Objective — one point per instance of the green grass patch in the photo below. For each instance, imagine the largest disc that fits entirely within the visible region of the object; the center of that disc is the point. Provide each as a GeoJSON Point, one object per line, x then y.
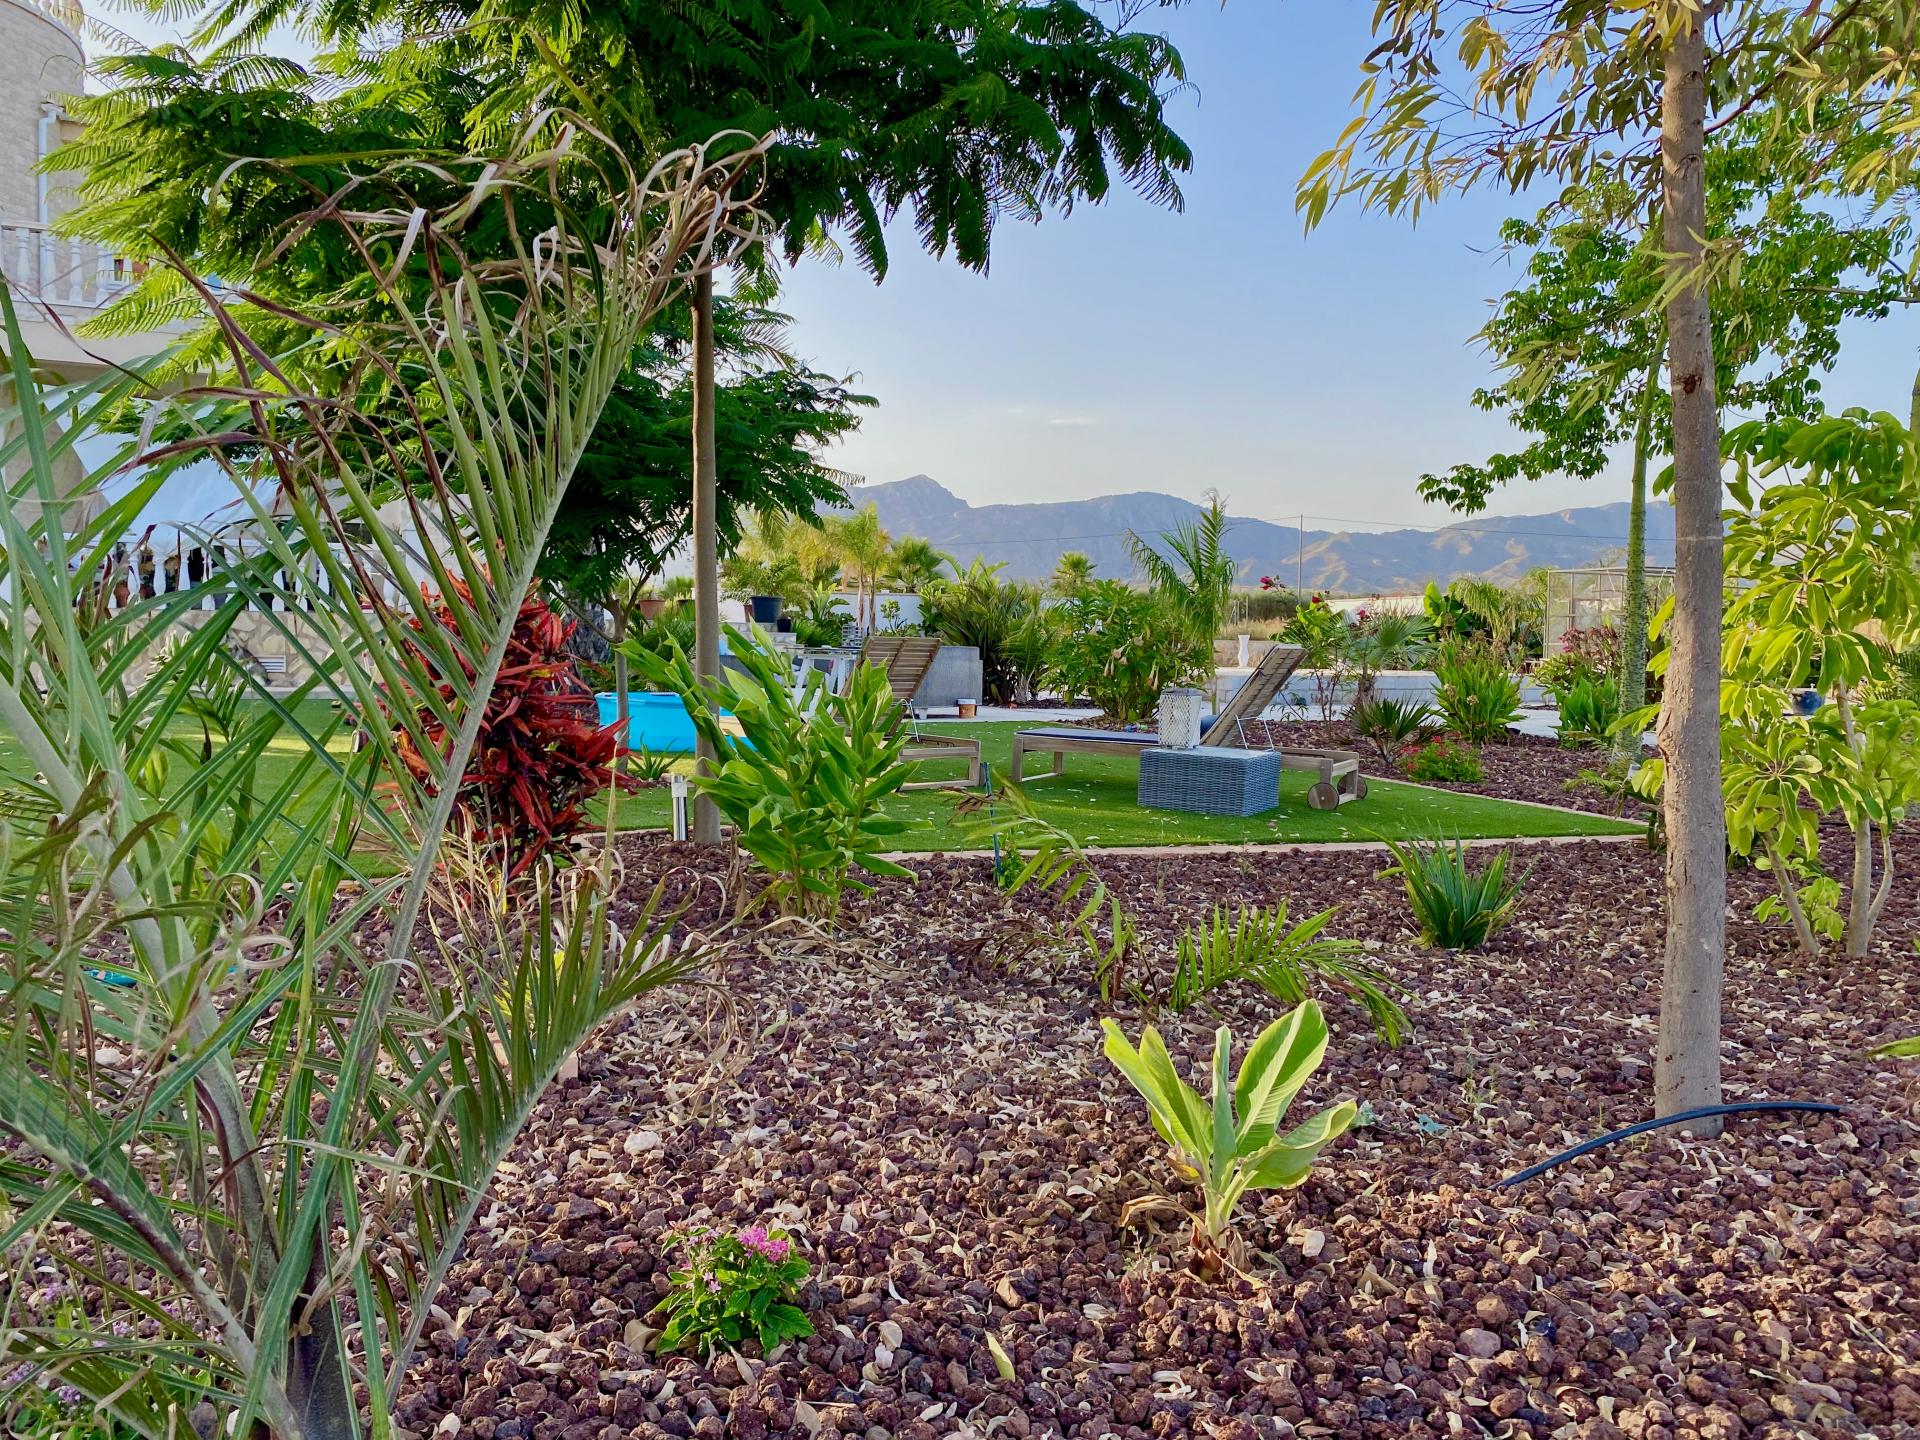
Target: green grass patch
{"type": "Point", "coordinates": [1094, 801]}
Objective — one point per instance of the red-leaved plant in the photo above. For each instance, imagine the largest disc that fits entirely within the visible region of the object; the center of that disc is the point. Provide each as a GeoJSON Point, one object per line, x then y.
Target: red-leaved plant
{"type": "Point", "coordinates": [542, 754]}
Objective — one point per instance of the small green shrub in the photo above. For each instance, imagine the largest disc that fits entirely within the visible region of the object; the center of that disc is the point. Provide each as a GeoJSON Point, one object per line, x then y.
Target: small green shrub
{"type": "Point", "coordinates": [1256, 944]}
{"type": "Point", "coordinates": [1441, 761]}
{"type": "Point", "coordinates": [1561, 671]}
{"type": "Point", "coordinates": [804, 782]}
{"type": "Point", "coordinates": [1588, 709]}
{"type": "Point", "coordinates": [1456, 906]}
{"type": "Point", "coordinates": [1477, 695]}
{"type": "Point", "coordinates": [1120, 647]}
{"type": "Point", "coordinates": [821, 619]}
{"type": "Point", "coordinates": [35, 1413]}
{"type": "Point", "coordinates": [1233, 1145]}
{"type": "Point", "coordinates": [976, 607]}
{"type": "Point", "coordinates": [1040, 854]}
{"type": "Point", "coordinates": [1391, 724]}
{"type": "Point", "coordinates": [649, 767]}
{"type": "Point", "coordinates": [733, 1287]}
{"type": "Point", "coordinates": [672, 627]}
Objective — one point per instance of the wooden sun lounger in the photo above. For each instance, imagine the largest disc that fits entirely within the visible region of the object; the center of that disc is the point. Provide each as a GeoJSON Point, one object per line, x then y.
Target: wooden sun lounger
{"type": "Point", "coordinates": [1339, 770]}
{"type": "Point", "coordinates": [1259, 690]}
{"type": "Point", "coordinates": [906, 659]}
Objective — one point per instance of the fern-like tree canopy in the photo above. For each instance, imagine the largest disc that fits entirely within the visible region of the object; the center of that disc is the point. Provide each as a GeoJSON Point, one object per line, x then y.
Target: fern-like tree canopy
{"type": "Point", "coordinates": [959, 112]}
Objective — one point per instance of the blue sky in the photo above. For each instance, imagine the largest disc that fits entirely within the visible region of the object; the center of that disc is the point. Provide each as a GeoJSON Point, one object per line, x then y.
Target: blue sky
{"type": "Point", "coordinates": [1125, 348]}
{"type": "Point", "coordinates": [1128, 348]}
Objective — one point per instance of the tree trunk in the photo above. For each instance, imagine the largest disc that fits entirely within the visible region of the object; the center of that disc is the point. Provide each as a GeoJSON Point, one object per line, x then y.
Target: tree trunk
{"type": "Point", "coordinates": [1687, 1065]}
{"type": "Point", "coordinates": [1860, 896]}
{"type": "Point", "coordinates": [1633, 624]}
{"type": "Point", "coordinates": [1789, 893]}
{"type": "Point", "coordinates": [706, 543]}
{"type": "Point", "coordinates": [622, 701]}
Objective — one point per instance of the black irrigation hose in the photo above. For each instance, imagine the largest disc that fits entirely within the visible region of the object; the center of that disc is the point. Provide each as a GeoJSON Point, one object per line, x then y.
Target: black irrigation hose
{"type": "Point", "coordinates": [1587, 1147]}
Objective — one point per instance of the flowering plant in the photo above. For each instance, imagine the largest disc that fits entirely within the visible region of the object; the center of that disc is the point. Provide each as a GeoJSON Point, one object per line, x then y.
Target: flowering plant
{"type": "Point", "coordinates": [1442, 758]}
{"type": "Point", "coordinates": [734, 1284]}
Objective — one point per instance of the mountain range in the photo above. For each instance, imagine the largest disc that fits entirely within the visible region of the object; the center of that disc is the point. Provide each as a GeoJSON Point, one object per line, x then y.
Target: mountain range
{"type": "Point", "coordinates": [1028, 539]}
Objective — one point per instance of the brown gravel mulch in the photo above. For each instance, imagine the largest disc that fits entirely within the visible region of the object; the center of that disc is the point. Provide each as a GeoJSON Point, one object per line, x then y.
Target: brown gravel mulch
{"type": "Point", "coordinates": [924, 1105]}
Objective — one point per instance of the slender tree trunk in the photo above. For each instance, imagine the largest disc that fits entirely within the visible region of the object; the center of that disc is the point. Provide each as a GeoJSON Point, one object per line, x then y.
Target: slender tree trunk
{"type": "Point", "coordinates": [1687, 1065]}
{"type": "Point", "coordinates": [1860, 898]}
{"type": "Point", "coordinates": [622, 702]}
{"type": "Point", "coordinates": [1790, 897]}
{"type": "Point", "coordinates": [1633, 624]}
{"type": "Point", "coordinates": [706, 543]}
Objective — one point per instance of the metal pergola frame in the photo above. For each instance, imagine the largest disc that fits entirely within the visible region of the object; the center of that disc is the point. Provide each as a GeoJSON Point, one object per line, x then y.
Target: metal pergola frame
{"type": "Point", "coordinates": [1590, 596]}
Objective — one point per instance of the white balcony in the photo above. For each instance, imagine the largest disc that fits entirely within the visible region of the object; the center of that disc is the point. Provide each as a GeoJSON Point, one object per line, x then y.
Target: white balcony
{"type": "Point", "coordinates": [57, 271]}
{"type": "Point", "coordinates": [67, 14]}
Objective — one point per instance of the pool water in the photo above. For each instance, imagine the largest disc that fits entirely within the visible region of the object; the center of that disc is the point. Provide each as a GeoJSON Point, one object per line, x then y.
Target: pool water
{"type": "Point", "coordinates": [656, 722]}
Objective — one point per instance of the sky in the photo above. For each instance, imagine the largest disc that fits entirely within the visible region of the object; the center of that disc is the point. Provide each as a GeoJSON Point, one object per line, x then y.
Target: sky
{"type": "Point", "coordinates": [1129, 348]}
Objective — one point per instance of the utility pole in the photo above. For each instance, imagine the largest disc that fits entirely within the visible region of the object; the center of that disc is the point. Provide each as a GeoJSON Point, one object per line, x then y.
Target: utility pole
{"type": "Point", "coordinates": [1300, 559]}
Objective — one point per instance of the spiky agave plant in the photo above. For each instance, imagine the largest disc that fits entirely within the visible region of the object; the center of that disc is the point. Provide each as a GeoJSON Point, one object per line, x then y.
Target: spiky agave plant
{"type": "Point", "coordinates": [252, 1108]}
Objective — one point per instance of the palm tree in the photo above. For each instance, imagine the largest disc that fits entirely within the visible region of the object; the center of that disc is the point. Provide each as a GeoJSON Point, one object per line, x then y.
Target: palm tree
{"type": "Point", "coordinates": [1071, 571]}
{"type": "Point", "coordinates": [303, 1053]}
{"type": "Point", "coordinates": [1195, 572]}
{"type": "Point", "coordinates": [915, 562]}
{"type": "Point", "coordinates": [864, 548]}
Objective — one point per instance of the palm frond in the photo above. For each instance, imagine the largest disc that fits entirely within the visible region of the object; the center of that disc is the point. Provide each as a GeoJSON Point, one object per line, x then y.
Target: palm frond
{"type": "Point", "coordinates": [201, 925]}
{"type": "Point", "coordinates": [1256, 944]}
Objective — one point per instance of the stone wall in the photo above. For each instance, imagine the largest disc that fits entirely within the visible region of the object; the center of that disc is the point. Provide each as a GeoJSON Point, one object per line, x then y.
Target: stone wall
{"type": "Point", "coordinates": [40, 60]}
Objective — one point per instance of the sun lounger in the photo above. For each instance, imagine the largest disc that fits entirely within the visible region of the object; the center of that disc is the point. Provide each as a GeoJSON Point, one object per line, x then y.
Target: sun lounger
{"type": "Point", "coordinates": [906, 660]}
{"type": "Point", "coordinates": [1339, 770]}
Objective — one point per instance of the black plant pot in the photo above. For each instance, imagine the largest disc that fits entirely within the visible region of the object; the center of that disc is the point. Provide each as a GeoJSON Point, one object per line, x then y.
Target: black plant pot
{"type": "Point", "coordinates": [765, 609]}
{"type": "Point", "coordinates": [784, 625]}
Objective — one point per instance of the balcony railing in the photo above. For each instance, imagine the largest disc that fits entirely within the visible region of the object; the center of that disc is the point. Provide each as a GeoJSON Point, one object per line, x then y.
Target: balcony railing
{"type": "Point", "coordinates": [59, 271]}
{"type": "Point", "coordinates": [67, 14]}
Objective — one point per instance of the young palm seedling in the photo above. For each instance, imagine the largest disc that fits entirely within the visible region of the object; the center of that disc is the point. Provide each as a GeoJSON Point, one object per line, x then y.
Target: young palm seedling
{"type": "Point", "coordinates": [1234, 1144]}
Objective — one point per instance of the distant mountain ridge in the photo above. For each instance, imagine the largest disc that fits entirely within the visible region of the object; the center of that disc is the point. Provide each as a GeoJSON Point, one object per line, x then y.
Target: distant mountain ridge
{"type": "Point", "coordinates": [1028, 539]}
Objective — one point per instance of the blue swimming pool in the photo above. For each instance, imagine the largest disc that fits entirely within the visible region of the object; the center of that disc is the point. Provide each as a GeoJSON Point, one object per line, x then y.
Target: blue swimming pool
{"type": "Point", "coordinates": [656, 722]}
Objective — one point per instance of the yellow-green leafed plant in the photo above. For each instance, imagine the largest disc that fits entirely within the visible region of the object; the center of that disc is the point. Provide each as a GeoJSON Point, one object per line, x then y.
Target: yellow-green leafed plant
{"type": "Point", "coordinates": [1234, 1144]}
{"type": "Point", "coordinates": [805, 780]}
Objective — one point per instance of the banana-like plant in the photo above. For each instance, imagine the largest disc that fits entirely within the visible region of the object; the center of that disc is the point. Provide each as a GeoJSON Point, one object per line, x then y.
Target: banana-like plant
{"type": "Point", "coordinates": [1234, 1144]}
{"type": "Point", "coordinates": [256, 1089]}
{"type": "Point", "coordinates": [802, 775]}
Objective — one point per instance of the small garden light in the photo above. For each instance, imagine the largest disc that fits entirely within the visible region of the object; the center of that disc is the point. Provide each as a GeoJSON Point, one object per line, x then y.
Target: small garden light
{"type": "Point", "coordinates": [679, 785]}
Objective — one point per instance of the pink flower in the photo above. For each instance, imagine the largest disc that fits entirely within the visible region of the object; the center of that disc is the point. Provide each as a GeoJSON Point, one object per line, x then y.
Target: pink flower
{"type": "Point", "coordinates": [769, 1247]}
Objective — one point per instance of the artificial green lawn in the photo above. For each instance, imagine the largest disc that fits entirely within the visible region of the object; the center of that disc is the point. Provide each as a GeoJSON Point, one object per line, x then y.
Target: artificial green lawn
{"type": "Point", "coordinates": [1094, 802]}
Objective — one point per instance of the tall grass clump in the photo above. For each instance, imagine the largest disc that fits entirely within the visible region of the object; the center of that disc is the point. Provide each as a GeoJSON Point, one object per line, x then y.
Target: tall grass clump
{"type": "Point", "coordinates": [1456, 905]}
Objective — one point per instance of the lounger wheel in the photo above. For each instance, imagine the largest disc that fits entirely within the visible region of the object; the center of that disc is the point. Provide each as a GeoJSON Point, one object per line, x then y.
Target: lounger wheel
{"type": "Point", "coordinates": [1359, 787]}
{"type": "Point", "coordinates": [1323, 796]}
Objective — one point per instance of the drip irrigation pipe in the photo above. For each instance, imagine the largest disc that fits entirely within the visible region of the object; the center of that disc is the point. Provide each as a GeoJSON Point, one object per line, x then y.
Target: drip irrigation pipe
{"type": "Point", "coordinates": [1587, 1147]}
